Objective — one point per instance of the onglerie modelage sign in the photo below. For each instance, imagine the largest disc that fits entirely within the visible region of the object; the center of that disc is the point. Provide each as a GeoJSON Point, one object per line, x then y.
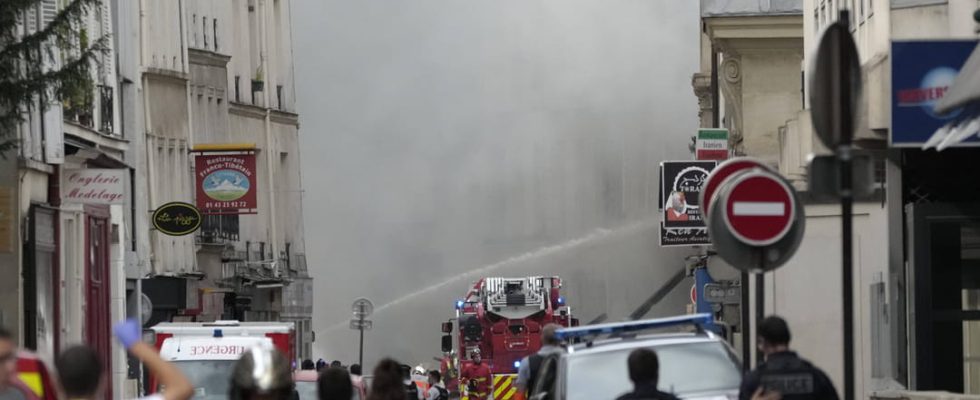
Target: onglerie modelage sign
{"type": "Point", "coordinates": [226, 183]}
{"type": "Point", "coordinates": [94, 186]}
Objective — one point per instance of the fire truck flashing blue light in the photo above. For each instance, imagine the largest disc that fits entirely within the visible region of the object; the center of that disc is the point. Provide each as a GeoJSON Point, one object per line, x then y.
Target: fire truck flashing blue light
{"type": "Point", "coordinates": [517, 364]}
{"type": "Point", "coordinates": [459, 304]}
{"type": "Point", "coordinates": [633, 326]}
{"type": "Point", "coordinates": [561, 300]}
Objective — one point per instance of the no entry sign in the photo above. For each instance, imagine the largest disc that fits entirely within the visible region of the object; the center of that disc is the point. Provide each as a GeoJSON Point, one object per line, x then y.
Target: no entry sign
{"type": "Point", "coordinates": [759, 208]}
{"type": "Point", "coordinates": [719, 175]}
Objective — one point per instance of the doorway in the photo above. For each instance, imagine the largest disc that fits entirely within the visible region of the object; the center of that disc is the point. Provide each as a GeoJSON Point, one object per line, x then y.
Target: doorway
{"type": "Point", "coordinates": [943, 249]}
{"type": "Point", "coordinates": [97, 312]}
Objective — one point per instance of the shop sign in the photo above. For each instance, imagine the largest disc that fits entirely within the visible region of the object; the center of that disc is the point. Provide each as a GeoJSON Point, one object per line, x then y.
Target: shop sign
{"type": "Point", "coordinates": [712, 144]}
{"type": "Point", "coordinates": [226, 183]}
{"type": "Point", "coordinates": [922, 72]}
{"type": "Point", "coordinates": [177, 218]}
{"type": "Point", "coordinates": [680, 187]}
{"type": "Point", "coordinates": [93, 186]}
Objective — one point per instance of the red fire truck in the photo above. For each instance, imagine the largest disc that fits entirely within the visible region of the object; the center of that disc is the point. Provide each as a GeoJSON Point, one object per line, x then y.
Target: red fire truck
{"type": "Point", "coordinates": [502, 317]}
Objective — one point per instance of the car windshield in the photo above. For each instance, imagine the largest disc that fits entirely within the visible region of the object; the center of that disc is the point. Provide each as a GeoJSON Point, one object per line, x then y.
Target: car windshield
{"type": "Point", "coordinates": [209, 377]}
{"type": "Point", "coordinates": [685, 368]}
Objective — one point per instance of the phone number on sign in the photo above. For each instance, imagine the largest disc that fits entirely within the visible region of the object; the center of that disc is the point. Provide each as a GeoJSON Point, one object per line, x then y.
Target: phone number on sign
{"type": "Point", "coordinates": [210, 205]}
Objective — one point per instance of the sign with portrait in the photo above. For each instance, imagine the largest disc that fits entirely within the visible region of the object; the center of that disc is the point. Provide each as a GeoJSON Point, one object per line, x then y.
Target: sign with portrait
{"type": "Point", "coordinates": [226, 183]}
{"type": "Point", "coordinates": [680, 188]}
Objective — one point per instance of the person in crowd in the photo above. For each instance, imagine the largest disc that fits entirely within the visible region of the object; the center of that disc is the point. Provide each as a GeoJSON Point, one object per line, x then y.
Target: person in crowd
{"type": "Point", "coordinates": [644, 370]}
{"type": "Point", "coordinates": [334, 384]}
{"type": "Point", "coordinates": [262, 373]}
{"type": "Point", "coordinates": [528, 370]}
{"type": "Point", "coordinates": [80, 369]}
{"type": "Point", "coordinates": [436, 390]}
{"type": "Point", "coordinates": [307, 365]}
{"type": "Point", "coordinates": [11, 387]}
{"type": "Point", "coordinates": [411, 389]}
{"type": "Point", "coordinates": [320, 365]}
{"type": "Point", "coordinates": [355, 375]}
{"type": "Point", "coordinates": [784, 373]}
{"type": "Point", "coordinates": [477, 377]}
{"type": "Point", "coordinates": [387, 383]}
{"type": "Point", "coordinates": [336, 364]}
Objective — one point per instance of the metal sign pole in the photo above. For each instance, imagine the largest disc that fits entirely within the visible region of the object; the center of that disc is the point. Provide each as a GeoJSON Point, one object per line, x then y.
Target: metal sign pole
{"type": "Point", "coordinates": [360, 356]}
{"type": "Point", "coordinates": [847, 209]}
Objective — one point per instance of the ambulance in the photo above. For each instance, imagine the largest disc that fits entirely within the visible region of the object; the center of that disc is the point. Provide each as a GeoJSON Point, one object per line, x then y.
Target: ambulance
{"type": "Point", "coordinates": [207, 351]}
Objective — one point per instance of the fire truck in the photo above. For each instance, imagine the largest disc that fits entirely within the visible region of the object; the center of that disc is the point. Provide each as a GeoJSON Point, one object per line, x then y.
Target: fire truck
{"type": "Point", "coordinates": [502, 317]}
{"type": "Point", "coordinates": [207, 351]}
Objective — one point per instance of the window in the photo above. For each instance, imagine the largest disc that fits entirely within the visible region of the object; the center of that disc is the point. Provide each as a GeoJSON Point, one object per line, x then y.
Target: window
{"type": "Point", "coordinates": [194, 36]}
{"type": "Point", "coordinates": [204, 30]}
{"type": "Point", "coordinates": [214, 27]}
{"type": "Point", "coordinates": [279, 95]}
{"type": "Point", "coordinates": [238, 97]}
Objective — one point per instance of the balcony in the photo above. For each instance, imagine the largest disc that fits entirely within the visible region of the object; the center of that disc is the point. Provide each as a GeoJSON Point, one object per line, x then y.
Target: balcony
{"type": "Point", "coordinates": [218, 229]}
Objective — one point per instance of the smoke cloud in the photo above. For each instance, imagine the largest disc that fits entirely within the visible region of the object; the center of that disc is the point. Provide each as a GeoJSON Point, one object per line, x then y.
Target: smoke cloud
{"type": "Point", "coordinates": [446, 140]}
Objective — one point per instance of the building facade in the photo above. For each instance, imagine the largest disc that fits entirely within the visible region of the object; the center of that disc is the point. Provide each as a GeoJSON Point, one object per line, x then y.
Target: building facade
{"type": "Point", "coordinates": [77, 195]}
{"type": "Point", "coordinates": [913, 324]}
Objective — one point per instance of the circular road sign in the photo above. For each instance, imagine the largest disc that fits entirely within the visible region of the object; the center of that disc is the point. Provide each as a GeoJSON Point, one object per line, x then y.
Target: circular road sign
{"type": "Point", "coordinates": [759, 208]}
{"type": "Point", "coordinates": [741, 255]}
{"type": "Point", "coordinates": [835, 85]}
{"type": "Point", "coordinates": [362, 307]}
{"type": "Point", "coordinates": [719, 174]}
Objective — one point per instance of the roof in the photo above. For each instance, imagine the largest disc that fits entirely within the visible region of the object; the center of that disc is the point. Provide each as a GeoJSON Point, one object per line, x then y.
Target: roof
{"type": "Point", "coordinates": [641, 341]}
{"type": "Point", "coordinates": [735, 8]}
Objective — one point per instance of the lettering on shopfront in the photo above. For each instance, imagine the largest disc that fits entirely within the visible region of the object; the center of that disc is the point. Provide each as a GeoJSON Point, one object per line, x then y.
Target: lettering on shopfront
{"type": "Point", "coordinates": [94, 186]}
{"type": "Point", "coordinates": [216, 350]}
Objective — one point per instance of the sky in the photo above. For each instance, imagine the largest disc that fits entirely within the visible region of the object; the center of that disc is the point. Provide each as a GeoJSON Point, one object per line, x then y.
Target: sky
{"type": "Point", "coordinates": [448, 140]}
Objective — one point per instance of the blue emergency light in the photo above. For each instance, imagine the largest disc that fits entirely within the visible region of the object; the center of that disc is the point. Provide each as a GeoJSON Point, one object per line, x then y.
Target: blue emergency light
{"type": "Point", "coordinates": [218, 333]}
{"type": "Point", "coordinates": [517, 364]}
{"type": "Point", "coordinates": [633, 326]}
{"type": "Point", "coordinates": [459, 304]}
{"type": "Point", "coordinates": [561, 300]}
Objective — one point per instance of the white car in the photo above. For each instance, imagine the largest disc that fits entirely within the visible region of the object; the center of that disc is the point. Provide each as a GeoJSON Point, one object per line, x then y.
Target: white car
{"type": "Point", "coordinates": [693, 365]}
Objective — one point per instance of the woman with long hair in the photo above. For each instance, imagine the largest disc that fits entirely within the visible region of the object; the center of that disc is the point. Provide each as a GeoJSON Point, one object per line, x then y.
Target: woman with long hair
{"type": "Point", "coordinates": [387, 382]}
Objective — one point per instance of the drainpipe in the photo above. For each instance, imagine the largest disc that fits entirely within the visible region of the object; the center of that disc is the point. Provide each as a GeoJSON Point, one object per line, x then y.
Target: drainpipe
{"type": "Point", "coordinates": [269, 151]}
{"type": "Point", "coordinates": [54, 199]}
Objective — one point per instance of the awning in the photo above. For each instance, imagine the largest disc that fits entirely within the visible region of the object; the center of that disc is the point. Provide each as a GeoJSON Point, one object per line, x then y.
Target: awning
{"type": "Point", "coordinates": [966, 86]}
{"type": "Point", "coordinates": [92, 154]}
{"type": "Point", "coordinates": [963, 93]}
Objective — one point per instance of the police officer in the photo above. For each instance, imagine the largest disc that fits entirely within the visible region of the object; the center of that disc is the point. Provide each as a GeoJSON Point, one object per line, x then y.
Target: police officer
{"type": "Point", "coordinates": [784, 373]}
{"type": "Point", "coordinates": [262, 373]}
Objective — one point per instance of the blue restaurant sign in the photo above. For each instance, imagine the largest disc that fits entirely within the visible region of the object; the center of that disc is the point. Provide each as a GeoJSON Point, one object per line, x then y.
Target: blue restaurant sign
{"type": "Point", "coordinates": [922, 72]}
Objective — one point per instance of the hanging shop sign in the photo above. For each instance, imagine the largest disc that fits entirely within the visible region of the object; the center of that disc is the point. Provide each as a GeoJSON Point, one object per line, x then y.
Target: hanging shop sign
{"type": "Point", "coordinates": [680, 187]}
{"type": "Point", "coordinates": [712, 144]}
{"type": "Point", "coordinates": [226, 183]}
{"type": "Point", "coordinates": [93, 186]}
{"type": "Point", "coordinates": [176, 218]}
{"type": "Point", "coordinates": [922, 72]}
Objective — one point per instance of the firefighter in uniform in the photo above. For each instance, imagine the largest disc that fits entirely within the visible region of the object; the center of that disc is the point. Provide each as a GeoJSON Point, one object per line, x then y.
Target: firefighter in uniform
{"type": "Point", "coordinates": [477, 377]}
{"type": "Point", "coordinates": [784, 373]}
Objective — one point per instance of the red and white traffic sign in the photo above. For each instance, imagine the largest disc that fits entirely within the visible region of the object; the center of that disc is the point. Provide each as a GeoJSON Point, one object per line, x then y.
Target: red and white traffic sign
{"type": "Point", "coordinates": [718, 176]}
{"type": "Point", "coordinates": [760, 207]}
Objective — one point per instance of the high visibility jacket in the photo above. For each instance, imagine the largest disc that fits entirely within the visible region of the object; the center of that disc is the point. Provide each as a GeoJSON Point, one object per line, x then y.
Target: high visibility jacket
{"type": "Point", "coordinates": [35, 377]}
{"type": "Point", "coordinates": [478, 380]}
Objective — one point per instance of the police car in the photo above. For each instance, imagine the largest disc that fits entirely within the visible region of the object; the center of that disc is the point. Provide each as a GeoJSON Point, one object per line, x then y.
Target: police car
{"type": "Point", "coordinates": [693, 365]}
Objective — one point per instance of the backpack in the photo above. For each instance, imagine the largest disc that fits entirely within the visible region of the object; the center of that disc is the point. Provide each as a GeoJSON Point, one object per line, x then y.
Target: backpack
{"type": "Point", "coordinates": [546, 374]}
{"type": "Point", "coordinates": [533, 365]}
{"type": "Point", "coordinates": [443, 393]}
{"type": "Point", "coordinates": [412, 391]}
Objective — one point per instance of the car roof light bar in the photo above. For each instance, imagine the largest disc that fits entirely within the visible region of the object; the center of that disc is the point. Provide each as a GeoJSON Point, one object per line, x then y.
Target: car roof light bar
{"type": "Point", "coordinates": [632, 326]}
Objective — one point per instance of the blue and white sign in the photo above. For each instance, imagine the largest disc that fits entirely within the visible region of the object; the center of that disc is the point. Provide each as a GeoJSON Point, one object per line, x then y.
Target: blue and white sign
{"type": "Point", "coordinates": [922, 72]}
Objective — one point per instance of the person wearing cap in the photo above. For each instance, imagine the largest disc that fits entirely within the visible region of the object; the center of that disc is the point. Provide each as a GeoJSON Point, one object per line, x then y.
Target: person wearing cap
{"type": "Point", "coordinates": [477, 377]}
{"type": "Point", "coordinates": [262, 373]}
